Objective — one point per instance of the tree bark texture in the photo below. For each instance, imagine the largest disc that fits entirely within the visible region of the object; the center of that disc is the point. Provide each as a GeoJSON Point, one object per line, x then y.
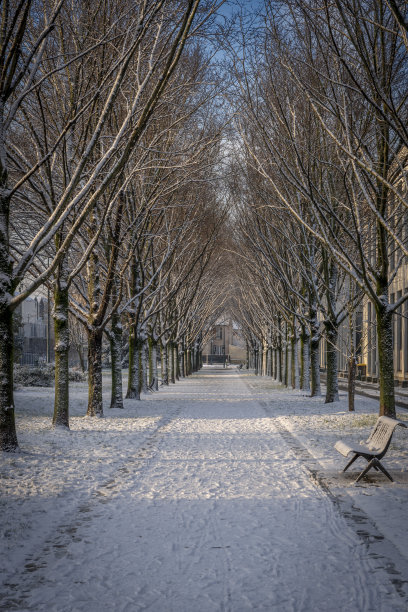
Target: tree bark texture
{"type": "Point", "coordinates": [8, 434]}
{"type": "Point", "coordinates": [295, 365]}
{"type": "Point", "coordinates": [155, 372]}
{"type": "Point", "coordinates": [351, 383]}
{"type": "Point", "coordinates": [116, 362]}
{"type": "Point", "coordinates": [133, 388]}
{"type": "Point", "coordinates": [95, 406]}
{"type": "Point", "coordinates": [165, 363]}
{"type": "Point", "coordinates": [144, 363]}
{"type": "Point", "coordinates": [61, 333]}
{"type": "Point", "coordinates": [386, 361]}
{"type": "Point", "coordinates": [332, 382]}
{"type": "Point", "coordinates": [305, 360]}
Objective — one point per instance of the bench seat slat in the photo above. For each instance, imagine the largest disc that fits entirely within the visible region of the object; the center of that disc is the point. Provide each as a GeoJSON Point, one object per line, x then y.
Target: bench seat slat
{"type": "Point", "coordinates": [347, 446]}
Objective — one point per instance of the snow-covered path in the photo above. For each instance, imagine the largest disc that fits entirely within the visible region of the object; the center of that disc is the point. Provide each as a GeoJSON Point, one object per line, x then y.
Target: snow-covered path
{"type": "Point", "coordinates": [210, 510]}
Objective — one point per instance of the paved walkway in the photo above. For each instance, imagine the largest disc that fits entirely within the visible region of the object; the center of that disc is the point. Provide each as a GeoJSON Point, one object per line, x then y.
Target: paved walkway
{"type": "Point", "coordinates": [212, 512]}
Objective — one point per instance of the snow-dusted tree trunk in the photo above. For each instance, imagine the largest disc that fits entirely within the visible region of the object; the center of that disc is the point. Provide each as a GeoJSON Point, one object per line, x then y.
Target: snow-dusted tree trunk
{"type": "Point", "coordinates": [155, 373]}
{"type": "Point", "coordinates": [315, 365]}
{"type": "Point", "coordinates": [286, 362]}
{"type": "Point", "coordinates": [385, 359]}
{"type": "Point", "coordinates": [61, 334]}
{"type": "Point", "coordinates": [332, 384]}
{"type": "Point", "coordinates": [177, 361]}
{"type": "Point", "coordinates": [279, 376]}
{"type": "Point", "coordinates": [95, 405]}
{"type": "Point", "coordinates": [294, 354]}
{"type": "Point", "coordinates": [115, 338]}
{"type": "Point", "coordinates": [314, 350]}
{"type": "Point", "coordinates": [144, 361]}
{"type": "Point", "coordinates": [8, 435]}
{"type": "Point", "coordinates": [133, 388]}
{"type": "Point", "coordinates": [165, 362]}
{"type": "Point", "coordinates": [305, 359]}
{"type": "Point", "coordinates": [172, 363]}
{"type": "Point", "coordinates": [94, 331]}
{"type": "Point", "coordinates": [351, 365]}
{"type": "Point", "coordinates": [182, 360]}
{"type": "Point", "coordinates": [116, 362]}
{"type": "Point", "coordinates": [351, 382]}
{"type": "Point", "coordinates": [188, 362]}
{"type": "Point", "coordinates": [197, 358]}
{"type": "Point", "coordinates": [331, 327]}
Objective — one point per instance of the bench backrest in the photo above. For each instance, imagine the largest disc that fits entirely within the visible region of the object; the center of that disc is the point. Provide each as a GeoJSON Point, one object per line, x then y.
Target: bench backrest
{"type": "Point", "coordinates": [381, 435]}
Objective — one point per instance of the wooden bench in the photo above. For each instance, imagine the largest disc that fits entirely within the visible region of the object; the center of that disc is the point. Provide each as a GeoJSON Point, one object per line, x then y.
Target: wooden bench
{"type": "Point", "coordinates": [373, 449]}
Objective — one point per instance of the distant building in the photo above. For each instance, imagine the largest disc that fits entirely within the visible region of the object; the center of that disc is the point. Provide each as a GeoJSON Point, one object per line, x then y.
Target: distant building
{"type": "Point", "coordinates": [225, 343]}
{"type": "Point", "coordinates": [34, 333]}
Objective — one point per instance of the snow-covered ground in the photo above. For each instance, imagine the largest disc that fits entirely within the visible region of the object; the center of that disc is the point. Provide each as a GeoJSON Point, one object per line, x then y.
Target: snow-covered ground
{"type": "Point", "coordinates": [222, 492]}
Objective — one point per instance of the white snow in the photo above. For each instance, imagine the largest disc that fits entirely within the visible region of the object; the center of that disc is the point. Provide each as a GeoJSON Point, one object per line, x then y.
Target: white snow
{"type": "Point", "coordinates": [220, 493]}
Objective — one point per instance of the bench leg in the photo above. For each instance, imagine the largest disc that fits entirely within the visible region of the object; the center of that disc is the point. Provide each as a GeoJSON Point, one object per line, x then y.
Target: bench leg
{"type": "Point", "coordinates": [352, 460]}
{"type": "Point", "coordinates": [377, 465]}
{"type": "Point", "coordinates": [366, 469]}
{"type": "Point", "coordinates": [382, 468]}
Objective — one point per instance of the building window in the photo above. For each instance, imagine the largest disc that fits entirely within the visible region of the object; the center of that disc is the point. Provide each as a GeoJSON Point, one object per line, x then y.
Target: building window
{"type": "Point", "coordinates": [218, 332]}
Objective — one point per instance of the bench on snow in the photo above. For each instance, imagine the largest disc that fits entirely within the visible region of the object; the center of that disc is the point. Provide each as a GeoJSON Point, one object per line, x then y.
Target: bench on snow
{"type": "Point", "coordinates": [373, 449]}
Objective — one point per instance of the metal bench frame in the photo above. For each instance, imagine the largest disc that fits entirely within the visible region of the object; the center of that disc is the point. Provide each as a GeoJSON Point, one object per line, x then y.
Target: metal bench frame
{"type": "Point", "coordinates": [373, 449]}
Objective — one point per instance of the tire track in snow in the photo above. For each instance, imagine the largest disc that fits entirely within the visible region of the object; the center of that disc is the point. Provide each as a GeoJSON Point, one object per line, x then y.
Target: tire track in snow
{"type": "Point", "coordinates": [381, 551]}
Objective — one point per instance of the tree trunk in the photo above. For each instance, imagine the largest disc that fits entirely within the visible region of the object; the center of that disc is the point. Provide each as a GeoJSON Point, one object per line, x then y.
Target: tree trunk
{"type": "Point", "coordinates": [150, 361]}
{"type": "Point", "coordinates": [95, 405]}
{"type": "Point", "coordinates": [177, 361]}
{"type": "Point", "coordinates": [144, 363]}
{"type": "Point", "coordinates": [351, 383]}
{"type": "Point", "coordinates": [385, 360]}
{"type": "Point", "coordinates": [182, 360]}
{"type": "Point", "coordinates": [8, 434]}
{"type": "Point", "coordinates": [116, 359]}
{"type": "Point", "coordinates": [315, 365]}
{"type": "Point", "coordinates": [81, 359]}
{"type": "Point", "coordinates": [332, 382]}
{"type": "Point", "coordinates": [314, 351]}
{"type": "Point", "coordinates": [165, 363]}
{"type": "Point", "coordinates": [61, 332]}
{"type": "Point", "coordinates": [305, 360]}
{"type": "Point", "coordinates": [155, 373]}
{"type": "Point", "coordinates": [133, 388]}
{"type": "Point", "coordinates": [172, 363]}
{"type": "Point", "coordinates": [286, 363]}
{"type": "Point", "coordinates": [294, 354]}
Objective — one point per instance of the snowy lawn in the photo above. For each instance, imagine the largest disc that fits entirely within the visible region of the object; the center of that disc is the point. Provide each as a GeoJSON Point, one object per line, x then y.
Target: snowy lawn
{"type": "Point", "coordinates": [222, 492]}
